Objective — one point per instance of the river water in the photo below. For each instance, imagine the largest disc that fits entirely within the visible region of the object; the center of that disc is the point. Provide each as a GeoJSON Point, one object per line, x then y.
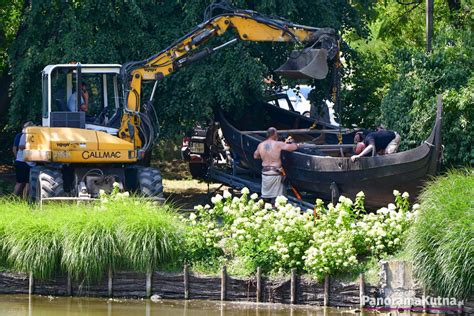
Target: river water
{"type": "Point", "coordinates": [23, 305]}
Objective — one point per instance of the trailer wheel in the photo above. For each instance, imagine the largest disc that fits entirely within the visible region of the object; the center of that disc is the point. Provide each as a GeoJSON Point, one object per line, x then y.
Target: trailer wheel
{"type": "Point", "coordinates": [150, 182]}
{"type": "Point", "coordinates": [45, 183]}
{"type": "Point", "coordinates": [198, 170]}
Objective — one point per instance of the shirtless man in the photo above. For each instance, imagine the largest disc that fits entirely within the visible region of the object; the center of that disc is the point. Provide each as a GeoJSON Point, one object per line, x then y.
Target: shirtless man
{"type": "Point", "coordinates": [269, 151]}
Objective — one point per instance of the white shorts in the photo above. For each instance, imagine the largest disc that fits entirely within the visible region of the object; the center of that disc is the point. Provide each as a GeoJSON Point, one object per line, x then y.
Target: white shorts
{"type": "Point", "coordinates": [392, 147]}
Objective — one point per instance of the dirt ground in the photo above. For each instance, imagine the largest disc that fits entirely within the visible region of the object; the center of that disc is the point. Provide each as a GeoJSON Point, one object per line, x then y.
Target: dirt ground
{"type": "Point", "coordinates": [179, 188]}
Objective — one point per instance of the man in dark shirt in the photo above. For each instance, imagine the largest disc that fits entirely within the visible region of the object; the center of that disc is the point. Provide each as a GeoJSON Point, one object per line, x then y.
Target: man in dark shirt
{"type": "Point", "coordinates": [382, 141]}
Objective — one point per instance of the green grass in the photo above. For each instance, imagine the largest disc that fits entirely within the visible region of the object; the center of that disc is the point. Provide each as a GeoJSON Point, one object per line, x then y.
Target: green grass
{"type": "Point", "coordinates": [86, 240]}
{"type": "Point", "coordinates": [441, 242]}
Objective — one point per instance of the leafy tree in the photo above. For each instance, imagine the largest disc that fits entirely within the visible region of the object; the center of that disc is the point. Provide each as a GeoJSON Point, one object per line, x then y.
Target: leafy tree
{"type": "Point", "coordinates": [409, 106]}
{"type": "Point", "coordinates": [58, 32]}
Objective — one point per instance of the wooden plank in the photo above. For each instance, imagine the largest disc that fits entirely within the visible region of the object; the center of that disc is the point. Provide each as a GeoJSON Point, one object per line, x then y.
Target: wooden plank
{"type": "Point", "coordinates": [31, 284]}
{"type": "Point", "coordinates": [110, 282]}
{"type": "Point", "coordinates": [186, 281]}
{"type": "Point", "coordinates": [69, 285]}
{"type": "Point", "coordinates": [148, 283]}
{"type": "Point", "coordinates": [224, 283]}
{"type": "Point", "coordinates": [361, 290]}
{"type": "Point", "coordinates": [326, 146]}
{"type": "Point", "coordinates": [326, 290]}
{"type": "Point", "coordinates": [293, 287]}
{"type": "Point", "coordinates": [259, 284]}
{"type": "Point", "coordinates": [342, 131]}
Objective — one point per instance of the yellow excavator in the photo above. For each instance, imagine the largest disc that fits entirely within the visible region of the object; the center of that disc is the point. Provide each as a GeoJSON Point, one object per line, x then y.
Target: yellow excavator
{"type": "Point", "coordinates": [78, 153]}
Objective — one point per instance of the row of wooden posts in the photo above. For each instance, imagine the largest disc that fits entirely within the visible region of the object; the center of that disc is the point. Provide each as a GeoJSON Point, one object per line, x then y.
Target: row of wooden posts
{"type": "Point", "coordinates": [223, 290]}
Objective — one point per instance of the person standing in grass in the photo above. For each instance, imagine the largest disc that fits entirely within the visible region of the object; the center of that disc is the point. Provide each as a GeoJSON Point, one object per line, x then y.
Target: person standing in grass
{"type": "Point", "coordinates": [269, 151]}
{"type": "Point", "coordinates": [22, 168]}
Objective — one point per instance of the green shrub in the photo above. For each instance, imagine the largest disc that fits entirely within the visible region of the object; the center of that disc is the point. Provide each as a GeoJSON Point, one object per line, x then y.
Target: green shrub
{"type": "Point", "coordinates": [441, 241]}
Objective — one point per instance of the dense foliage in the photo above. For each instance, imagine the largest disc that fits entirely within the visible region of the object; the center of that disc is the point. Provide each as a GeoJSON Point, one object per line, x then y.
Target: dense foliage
{"type": "Point", "coordinates": [61, 32]}
{"type": "Point", "coordinates": [441, 241]}
{"type": "Point", "coordinates": [410, 105]}
{"type": "Point", "coordinates": [247, 233]}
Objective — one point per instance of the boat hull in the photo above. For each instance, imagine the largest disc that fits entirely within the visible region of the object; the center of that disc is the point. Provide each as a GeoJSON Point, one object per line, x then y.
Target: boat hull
{"type": "Point", "coordinates": [326, 176]}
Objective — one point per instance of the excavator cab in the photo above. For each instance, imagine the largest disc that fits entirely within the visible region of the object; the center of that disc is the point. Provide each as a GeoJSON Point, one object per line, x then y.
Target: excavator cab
{"type": "Point", "coordinates": [61, 106]}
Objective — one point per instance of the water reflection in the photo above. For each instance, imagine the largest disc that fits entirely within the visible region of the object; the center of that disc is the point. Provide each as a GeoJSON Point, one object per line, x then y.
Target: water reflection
{"type": "Point", "coordinates": [16, 305]}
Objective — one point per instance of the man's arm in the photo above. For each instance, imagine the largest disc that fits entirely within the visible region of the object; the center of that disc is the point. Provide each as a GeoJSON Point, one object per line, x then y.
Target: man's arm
{"type": "Point", "coordinates": [256, 154]}
{"type": "Point", "coordinates": [289, 147]}
{"type": "Point", "coordinates": [22, 143]}
{"type": "Point", "coordinates": [85, 105]}
{"type": "Point", "coordinates": [364, 152]}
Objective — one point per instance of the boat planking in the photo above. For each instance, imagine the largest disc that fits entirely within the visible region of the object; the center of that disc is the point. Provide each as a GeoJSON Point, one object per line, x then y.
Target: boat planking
{"type": "Point", "coordinates": [329, 172]}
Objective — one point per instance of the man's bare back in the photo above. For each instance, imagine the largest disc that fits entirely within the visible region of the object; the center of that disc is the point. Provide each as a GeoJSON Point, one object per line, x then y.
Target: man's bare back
{"type": "Point", "coordinates": [270, 150]}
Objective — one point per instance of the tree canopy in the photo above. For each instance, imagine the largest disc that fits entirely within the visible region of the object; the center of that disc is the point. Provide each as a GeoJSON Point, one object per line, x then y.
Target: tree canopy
{"type": "Point", "coordinates": [387, 76]}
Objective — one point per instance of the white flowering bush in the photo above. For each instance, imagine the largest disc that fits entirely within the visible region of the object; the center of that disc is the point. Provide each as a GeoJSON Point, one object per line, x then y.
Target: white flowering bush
{"type": "Point", "coordinates": [280, 237]}
{"type": "Point", "coordinates": [384, 230]}
{"type": "Point", "coordinates": [345, 234]}
{"type": "Point", "coordinates": [333, 246]}
{"type": "Point", "coordinates": [274, 238]}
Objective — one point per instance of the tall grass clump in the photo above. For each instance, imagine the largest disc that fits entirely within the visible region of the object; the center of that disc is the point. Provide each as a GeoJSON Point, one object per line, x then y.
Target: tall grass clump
{"type": "Point", "coordinates": [10, 208]}
{"type": "Point", "coordinates": [32, 241]}
{"type": "Point", "coordinates": [441, 242]}
{"type": "Point", "coordinates": [90, 245]}
{"type": "Point", "coordinates": [149, 237]}
{"type": "Point", "coordinates": [87, 240]}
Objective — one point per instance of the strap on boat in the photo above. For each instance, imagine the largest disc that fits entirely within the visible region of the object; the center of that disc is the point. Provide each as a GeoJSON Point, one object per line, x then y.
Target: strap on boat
{"type": "Point", "coordinates": [429, 144]}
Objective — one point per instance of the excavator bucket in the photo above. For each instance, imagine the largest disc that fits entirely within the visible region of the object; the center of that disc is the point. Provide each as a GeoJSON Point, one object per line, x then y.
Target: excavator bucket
{"type": "Point", "coordinates": [309, 63]}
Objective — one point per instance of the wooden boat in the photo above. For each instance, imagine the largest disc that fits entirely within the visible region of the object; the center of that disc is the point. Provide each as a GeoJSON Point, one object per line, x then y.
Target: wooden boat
{"type": "Point", "coordinates": [325, 169]}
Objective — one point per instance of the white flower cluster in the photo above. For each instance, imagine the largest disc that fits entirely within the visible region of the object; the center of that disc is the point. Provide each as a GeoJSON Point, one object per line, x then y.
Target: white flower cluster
{"type": "Point", "coordinates": [283, 237]}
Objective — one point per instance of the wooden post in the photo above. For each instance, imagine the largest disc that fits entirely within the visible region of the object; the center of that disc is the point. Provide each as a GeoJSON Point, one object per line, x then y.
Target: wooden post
{"type": "Point", "coordinates": [425, 305]}
{"type": "Point", "coordinates": [293, 286]}
{"type": "Point", "coordinates": [110, 283]}
{"type": "Point", "coordinates": [186, 281]}
{"type": "Point", "coordinates": [69, 285]}
{"type": "Point", "coordinates": [148, 283]}
{"type": "Point", "coordinates": [361, 290]}
{"type": "Point", "coordinates": [259, 285]}
{"type": "Point", "coordinates": [429, 25]}
{"type": "Point", "coordinates": [326, 291]}
{"type": "Point", "coordinates": [31, 284]}
{"type": "Point", "coordinates": [224, 284]}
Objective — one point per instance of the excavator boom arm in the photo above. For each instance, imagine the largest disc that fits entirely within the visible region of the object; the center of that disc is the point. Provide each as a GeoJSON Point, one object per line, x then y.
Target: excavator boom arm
{"type": "Point", "coordinates": [248, 25]}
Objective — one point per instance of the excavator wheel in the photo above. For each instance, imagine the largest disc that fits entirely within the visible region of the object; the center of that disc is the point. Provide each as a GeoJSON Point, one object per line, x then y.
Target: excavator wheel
{"type": "Point", "coordinates": [45, 183]}
{"type": "Point", "coordinates": [150, 182]}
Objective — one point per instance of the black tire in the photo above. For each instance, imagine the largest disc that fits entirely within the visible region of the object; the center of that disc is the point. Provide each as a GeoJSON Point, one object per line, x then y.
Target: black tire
{"type": "Point", "coordinates": [150, 182]}
{"type": "Point", "coordinates": [198, 170]}
{"type": "Point", "coordinates": [45, 183]}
